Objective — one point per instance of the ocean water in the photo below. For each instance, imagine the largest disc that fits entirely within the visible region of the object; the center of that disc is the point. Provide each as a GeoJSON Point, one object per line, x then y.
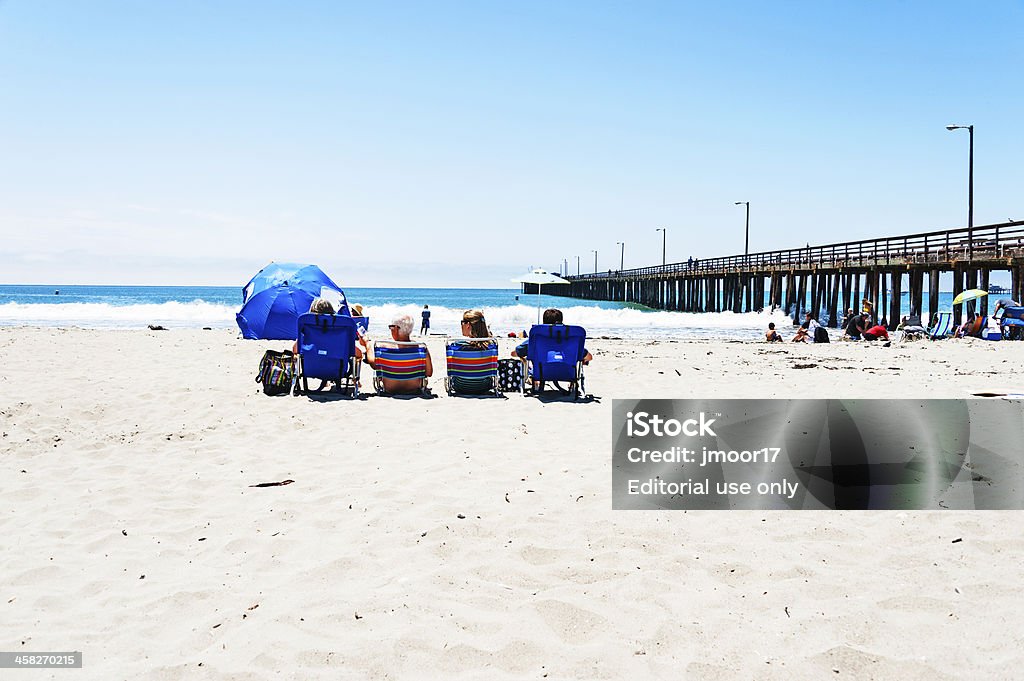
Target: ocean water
{"type": "Point", "coordinates": [506, 310]}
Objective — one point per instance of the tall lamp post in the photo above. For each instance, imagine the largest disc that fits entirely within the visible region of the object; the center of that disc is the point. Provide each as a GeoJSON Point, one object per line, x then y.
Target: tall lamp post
{"type": "Point", "coordinates": [970, 189]}
{"type": "Point", "coordinates": [622, 254]}
{"type": "Point", "coordinates": [595, 261]}
{"type": "Point", "coordinates": [746, 240]}
{"type": "Point", "coordinates": [662, 230]}
{"type": "Point", "coordinates": [577, 265]}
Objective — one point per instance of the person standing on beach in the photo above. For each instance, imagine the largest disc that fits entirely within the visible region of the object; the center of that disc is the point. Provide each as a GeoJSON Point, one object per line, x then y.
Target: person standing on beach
{"type": "Point", "coordinates": [868, 308]}
{"type": "Point", "coordinates": [425, 325]}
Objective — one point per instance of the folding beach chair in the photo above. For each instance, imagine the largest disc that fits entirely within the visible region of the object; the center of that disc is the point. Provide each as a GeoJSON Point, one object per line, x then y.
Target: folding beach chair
{"type": "Point", "coordinates": [472, 367]}
{"type": "Point", "coordinates": [362, 324]}
{"type": "Point", "coordinates": [942, 327]}
{"type": "Point", "coordinates": [555, 353]}
{"type": "Point", "coordinates": [399, 361]}
{"type": "Point", "coordinates": [912, 329]}
{"type": "Point", "coordinates": [327, 350]}
{"type": "Point", "coordinates": [1011, 322]}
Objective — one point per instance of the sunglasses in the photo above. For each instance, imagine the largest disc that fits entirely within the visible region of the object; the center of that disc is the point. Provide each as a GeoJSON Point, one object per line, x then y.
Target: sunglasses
{"type": "Point", "coordinates": [393, 326]}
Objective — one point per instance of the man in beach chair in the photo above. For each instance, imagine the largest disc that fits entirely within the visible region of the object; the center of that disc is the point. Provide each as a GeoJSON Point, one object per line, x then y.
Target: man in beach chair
{"type": "Point", "coordinates": [326, 349]}
{"type": "Point", "coordinates": [942, 326]}
{"type": "Point", "coordinates": [401, 367]}
{"type": "Point", "coordinates": [555, 352]}
{"type": "Point", "coordinates": [1011, 322]}
{"type": "Point", "coordinates": [473, 364]}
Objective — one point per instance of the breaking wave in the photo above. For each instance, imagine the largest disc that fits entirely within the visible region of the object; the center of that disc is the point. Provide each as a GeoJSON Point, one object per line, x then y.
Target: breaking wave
{"type": "Point", "coordinates": [622, 322]}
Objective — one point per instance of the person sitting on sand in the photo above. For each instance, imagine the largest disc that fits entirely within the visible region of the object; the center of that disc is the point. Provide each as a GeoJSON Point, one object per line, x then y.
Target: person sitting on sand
{"type": "Point", "coordinates": [551, 316]}
{"type": "Point", "coordinates": [875, 332]}
{"type": "Point", "coordinates": [846, 318]}
{"type": "Point", "coordinates": [771, 335]}
{"type": "Point", "coordinates": [805, 334]}
{"type": "Point", "coordinates": [401, 330]}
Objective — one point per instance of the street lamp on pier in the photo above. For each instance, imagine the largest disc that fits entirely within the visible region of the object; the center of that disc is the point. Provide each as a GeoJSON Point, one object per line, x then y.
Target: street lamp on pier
{"type": "Point", "coordinates": [595, 261]}
{"type": "Point", "coordinates": [622, 254]}
{"type": "Point", "coordinates": [746, 241]}
{"type": "Point", "coordinates": [970, 189]}
{"type": "Point", "coordinates": [663, 233]}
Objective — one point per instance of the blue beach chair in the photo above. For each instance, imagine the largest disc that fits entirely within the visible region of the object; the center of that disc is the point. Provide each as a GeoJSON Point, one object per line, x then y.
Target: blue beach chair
{"type": "Point", "coordinates": [472, 367]}
{"type": "Point", "coordinates": [555, 354]}
{"type": "Point", "coordinates": [400, 361]}
{"type": "Point", "coordinates": [942, 327]}
{"type": "Point", "coordinates": [1011, 322]}
{"type": "Point", "coordinates": [327, 351]}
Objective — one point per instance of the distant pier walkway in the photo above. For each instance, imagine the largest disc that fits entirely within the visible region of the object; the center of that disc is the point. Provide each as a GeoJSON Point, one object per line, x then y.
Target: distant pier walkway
{"type": "Point", "coordinates": [824, 280]}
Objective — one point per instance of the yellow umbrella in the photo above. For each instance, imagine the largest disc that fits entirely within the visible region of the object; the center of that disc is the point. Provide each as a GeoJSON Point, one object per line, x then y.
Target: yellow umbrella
{"type": "Point", "coordinates": [970, 294]}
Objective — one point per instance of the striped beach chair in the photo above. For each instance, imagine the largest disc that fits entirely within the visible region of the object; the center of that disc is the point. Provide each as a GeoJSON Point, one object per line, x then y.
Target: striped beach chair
{"type": "Point", "coordinates": [400, 361]}
{"type": "Point", "coordinates": [943, 326]}
{"type": "Point", "coordinates": [472, 367]}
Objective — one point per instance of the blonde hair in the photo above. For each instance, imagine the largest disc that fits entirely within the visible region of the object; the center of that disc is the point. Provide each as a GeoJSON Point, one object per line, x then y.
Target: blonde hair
{"type": "Point", "coordinates": [477, 324]}
{"type": "Point", "coordinates": [321, 306]}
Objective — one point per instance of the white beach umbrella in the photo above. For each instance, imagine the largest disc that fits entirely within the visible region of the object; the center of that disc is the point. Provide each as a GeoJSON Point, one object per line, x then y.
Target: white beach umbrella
{"type": "Point", "coordinates": [539, 277]}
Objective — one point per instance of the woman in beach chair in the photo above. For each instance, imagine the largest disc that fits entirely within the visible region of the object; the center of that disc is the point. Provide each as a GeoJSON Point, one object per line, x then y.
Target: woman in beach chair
{"type": "Point", "coordinates": [473, 364]}
{"type": "Point", "coordinates": [401, 367]}
{"type": "Point", "coordinates": [555, 352]}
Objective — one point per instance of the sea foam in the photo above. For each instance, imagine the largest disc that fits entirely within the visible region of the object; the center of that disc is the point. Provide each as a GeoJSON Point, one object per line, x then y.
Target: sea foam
{"type": "Point", "coordinates": [623, 322]}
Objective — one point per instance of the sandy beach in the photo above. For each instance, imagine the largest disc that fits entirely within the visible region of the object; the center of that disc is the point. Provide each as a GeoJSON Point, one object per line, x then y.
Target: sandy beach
{"type": "Point", "coordinates": [463, 538]}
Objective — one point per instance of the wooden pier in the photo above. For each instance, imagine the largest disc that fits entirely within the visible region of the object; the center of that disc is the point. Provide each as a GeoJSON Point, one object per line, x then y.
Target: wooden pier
{"type": "Point", "coordinates": [823, 280]}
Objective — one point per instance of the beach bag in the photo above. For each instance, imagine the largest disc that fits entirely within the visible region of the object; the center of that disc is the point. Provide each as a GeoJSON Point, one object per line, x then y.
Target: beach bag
{"type": "Point", "coordinates": [510, 375]}
{"type": "Point", "coordinates": [820, 335]}
{"type": "Point", "coordinates": [276, 372]}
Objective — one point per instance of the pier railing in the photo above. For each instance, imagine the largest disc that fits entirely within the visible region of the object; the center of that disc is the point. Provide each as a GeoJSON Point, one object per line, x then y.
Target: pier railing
{"type": "Point", "coordinates": [990, 242]}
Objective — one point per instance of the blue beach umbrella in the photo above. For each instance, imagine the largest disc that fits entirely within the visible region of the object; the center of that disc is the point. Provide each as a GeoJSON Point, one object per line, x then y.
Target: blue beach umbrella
{"type": "Point", "coordinates": [278, 294]}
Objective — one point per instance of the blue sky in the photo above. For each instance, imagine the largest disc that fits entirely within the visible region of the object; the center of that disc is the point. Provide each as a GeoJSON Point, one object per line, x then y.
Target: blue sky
{"type": "Point", "coordinates": [438, 144]}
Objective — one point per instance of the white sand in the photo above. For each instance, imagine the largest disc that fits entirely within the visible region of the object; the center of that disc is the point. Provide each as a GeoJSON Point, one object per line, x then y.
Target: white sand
{"type": "Point", "coordinates": [128, 453]}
